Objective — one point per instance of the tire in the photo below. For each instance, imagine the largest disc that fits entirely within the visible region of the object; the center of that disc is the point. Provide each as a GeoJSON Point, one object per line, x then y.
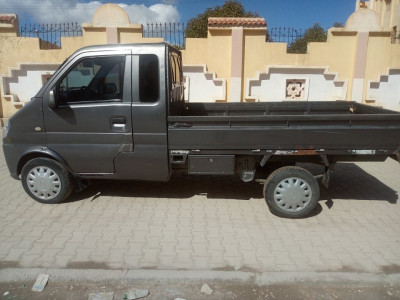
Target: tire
{"type": "Point", "coordinates": [46, 180]}
{"type": "Point", "coordinates": [291, 192]}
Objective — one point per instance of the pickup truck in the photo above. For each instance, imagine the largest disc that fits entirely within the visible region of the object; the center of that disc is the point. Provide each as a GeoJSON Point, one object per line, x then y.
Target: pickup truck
{"type": "Point", "coordinates": [118, 112]}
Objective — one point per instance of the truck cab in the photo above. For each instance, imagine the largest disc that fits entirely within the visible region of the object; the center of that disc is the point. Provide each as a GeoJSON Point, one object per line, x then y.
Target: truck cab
{"type": "Point", "coordinates": [102, 114]}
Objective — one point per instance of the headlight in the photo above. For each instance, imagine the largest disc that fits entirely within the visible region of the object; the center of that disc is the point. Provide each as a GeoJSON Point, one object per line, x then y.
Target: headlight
{"type": "Point", "coordinates": [6, 128]}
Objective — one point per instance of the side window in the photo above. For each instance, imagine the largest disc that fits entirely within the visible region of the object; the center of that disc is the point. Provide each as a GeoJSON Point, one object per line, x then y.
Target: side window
{"type": "Point", "coordinates": [93, 79]}
{"type": "Point", "coordinates": [149, 85]}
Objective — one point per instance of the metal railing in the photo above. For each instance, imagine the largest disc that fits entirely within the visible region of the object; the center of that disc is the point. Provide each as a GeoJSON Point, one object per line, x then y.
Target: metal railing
{"type": "Point", "coordinates": [284, 35]}
{"type": "Point", "coordinates": [50, 34]}
{"type": "Point", "coordinates": [173, 33]}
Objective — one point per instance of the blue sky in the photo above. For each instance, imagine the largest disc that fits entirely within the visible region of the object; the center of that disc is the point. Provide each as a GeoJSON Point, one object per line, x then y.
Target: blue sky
{"type": "Point", "coordinates": [299, 14]}
{"type": "Point", "coordinates": [289, 13]}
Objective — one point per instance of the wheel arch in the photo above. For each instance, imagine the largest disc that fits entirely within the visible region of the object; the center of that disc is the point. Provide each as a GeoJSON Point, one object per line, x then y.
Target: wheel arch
{"type": "Point", "coordinates": [37, 152]}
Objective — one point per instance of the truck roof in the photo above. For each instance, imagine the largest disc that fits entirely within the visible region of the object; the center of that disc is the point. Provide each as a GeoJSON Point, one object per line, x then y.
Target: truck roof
{"type": "Point", "coordinates": [120, 46]}
{"type": "Point", "coordinates": [109, 47]}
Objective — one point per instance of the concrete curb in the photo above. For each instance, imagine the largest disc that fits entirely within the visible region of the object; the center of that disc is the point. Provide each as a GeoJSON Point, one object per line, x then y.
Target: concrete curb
{"type": "Point", "coordinates": [265, 278]}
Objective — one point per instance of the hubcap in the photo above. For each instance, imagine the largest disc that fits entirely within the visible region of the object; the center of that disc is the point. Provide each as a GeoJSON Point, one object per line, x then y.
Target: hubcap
{"type": "Point", "coordinates": [44, 183]}
{"type": "Point", "coordinates": [292, 194]}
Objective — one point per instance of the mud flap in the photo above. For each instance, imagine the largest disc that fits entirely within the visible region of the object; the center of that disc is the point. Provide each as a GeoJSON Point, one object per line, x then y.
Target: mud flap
{"type": "Point", "coordinates": [326, 177]}
{"type": "Point", "coordinates": [327, 173]}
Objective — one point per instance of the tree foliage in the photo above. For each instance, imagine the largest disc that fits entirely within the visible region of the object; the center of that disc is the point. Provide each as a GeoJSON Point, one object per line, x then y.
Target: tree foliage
{"type": "Point", "coordinates": [338, 25]}
{"type": "Point", "coordinates": [313, 34]}
{"type": "Point", "coordinates": [197, 27]}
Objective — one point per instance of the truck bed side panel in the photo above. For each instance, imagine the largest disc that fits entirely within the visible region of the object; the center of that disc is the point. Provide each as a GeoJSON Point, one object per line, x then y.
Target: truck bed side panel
{"type": "Point", "coordinates": [265, 127]}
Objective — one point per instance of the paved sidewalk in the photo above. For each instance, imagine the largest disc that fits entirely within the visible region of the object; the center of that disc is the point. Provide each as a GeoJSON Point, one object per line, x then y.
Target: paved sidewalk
{"type": "Point", "coordinates": [206, 223]}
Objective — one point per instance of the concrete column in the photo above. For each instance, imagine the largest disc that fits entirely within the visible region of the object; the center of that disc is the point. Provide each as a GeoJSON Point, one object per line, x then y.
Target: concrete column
{"type": "Point", "coordinates": [236, 65]}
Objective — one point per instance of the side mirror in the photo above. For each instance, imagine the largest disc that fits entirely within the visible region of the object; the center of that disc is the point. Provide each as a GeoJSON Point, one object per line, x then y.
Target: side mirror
{"type": "Point", "coordinates": [52, 100]}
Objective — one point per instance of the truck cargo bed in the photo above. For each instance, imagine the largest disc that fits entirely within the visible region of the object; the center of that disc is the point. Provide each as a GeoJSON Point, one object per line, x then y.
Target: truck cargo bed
{"type": "Point", "coordinates": [332, 127]}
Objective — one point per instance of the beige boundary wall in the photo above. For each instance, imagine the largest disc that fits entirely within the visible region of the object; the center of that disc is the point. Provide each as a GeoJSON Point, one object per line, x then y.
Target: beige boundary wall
{"type": "Point", "coordinates": [233, 64]}
{"type": "Point", "coordinates": [358, 63]}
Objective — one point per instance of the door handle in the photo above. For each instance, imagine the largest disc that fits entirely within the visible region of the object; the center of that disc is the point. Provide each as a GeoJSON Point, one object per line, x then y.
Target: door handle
{"type": "Point", "coordinates": [118, 124]}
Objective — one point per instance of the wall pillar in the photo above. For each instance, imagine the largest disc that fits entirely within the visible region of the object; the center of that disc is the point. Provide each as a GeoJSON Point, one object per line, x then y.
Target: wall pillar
{"type": "Point", "coordinates": [9, 25]}
{"type": "Point", "coordinates": [359, 66]}
{"type": "Point", "coordinates": [371, 4]}
{"type": "Point", "coordinates": [108, 19]}
{"type": "Point", "coordinates": [238, 27]}
{"type": "Point", "coordinates": [112, 35]}
{"type": "Point", "coordinates": [363, 21]}
{"type": "Point", "coordinates": [236, 65]}
{"type": "Point", "coordinates": [357, 5]}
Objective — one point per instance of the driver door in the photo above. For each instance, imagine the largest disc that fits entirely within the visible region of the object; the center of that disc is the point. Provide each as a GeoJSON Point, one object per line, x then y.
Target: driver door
{"type": "Point", "coordinates": [91, 124]}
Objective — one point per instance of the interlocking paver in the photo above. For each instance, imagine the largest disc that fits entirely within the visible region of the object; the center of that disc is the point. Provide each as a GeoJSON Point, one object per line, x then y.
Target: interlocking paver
{"type": "Point", "coordinates": [207, 223]}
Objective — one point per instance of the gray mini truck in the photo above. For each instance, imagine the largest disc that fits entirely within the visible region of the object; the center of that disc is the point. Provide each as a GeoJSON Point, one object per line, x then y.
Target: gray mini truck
{"type": "Point", "coordinates": [118, 112]}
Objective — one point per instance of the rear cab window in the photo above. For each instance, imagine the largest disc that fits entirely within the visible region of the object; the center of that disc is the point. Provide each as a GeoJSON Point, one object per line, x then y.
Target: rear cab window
{"type": "Point", "coordinates": [149, 85]}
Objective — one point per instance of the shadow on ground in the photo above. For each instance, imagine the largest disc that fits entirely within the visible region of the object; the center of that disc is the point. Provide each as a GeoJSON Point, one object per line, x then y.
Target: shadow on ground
{"type": "Point", "coordinates": [347, 182]}
{"type": "Point", "coordinates": [351, 182]}
{"type": "Point", "coordinates": [179, 187]}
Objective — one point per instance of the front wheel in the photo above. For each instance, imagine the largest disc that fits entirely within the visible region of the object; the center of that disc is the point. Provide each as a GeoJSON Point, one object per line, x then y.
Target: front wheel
{"type": "Point", "coordinates": [291, 192]}
{"type": "Point", "coordinates": [46, 180]}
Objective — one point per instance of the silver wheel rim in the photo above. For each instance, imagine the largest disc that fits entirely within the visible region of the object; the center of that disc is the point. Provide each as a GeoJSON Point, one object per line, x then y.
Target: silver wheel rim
{"type": "Point", "coordinates": [292, 194]}
{"type": "Point", "coordinates": [44, 182]}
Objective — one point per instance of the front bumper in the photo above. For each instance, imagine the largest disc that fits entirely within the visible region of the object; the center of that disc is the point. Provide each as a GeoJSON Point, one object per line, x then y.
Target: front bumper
{"type": "Point", "coordinates": [12, 157]}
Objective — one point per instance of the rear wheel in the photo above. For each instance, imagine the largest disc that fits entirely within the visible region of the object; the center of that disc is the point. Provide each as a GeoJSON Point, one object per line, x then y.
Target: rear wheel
{"type": "Point", "coordinates": [291, 192]}
{"type": "Point", "coordinates": [46, 180]}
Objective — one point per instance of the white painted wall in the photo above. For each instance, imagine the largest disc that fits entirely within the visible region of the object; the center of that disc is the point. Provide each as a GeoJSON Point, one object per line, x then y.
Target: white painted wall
{"type": "Point", "coordinates": [27, 86]}
{"type": "Point", "coordinates": [386, 91]}
{"type": "Point", "coordinates": [320, 84]}
{"type": "Point", "coordinates": [23, 82]}
{"type": "Point", "coordinates": [203, 86]}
